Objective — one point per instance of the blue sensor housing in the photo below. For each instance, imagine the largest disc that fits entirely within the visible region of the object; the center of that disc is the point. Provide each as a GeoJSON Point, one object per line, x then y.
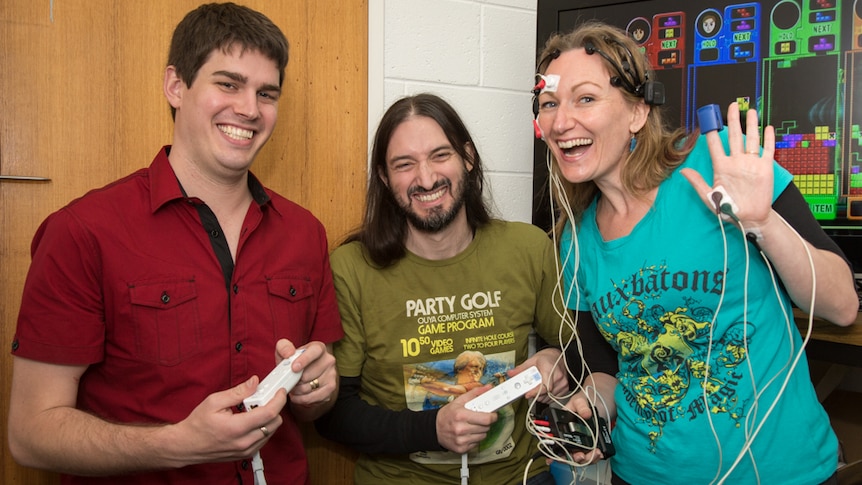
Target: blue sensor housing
{"type": "Point", "coordinates": [709, 118]}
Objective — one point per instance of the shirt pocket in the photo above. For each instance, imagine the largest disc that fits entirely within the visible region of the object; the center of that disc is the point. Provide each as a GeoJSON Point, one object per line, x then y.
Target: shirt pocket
{"type": "Point", "coordinates": [291, 301]}
{"type": "Point", "coordinates": [166, 321]}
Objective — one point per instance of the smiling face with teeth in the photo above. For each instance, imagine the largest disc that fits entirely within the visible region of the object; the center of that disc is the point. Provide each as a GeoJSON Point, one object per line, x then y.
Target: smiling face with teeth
{"type": "Point", "coordinates": [226, 115]}
{"type": "Point", "coordinates": [426, 175]}
{"type": "Point", "coordinates": [587, 122]}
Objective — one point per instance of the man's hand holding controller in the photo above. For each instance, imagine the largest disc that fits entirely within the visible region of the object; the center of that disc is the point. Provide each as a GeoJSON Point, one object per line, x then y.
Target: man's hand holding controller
{"type": "Point", "coordinates": [214, 432]}
{"type": "Point", "coordinates": [460, 429]}
{"type": "Point", "coordinates": [315, 392]}
{"type": "Point", "coordinates": [281, 377]}
{"type": "Point", "coordinates": [464, 423]}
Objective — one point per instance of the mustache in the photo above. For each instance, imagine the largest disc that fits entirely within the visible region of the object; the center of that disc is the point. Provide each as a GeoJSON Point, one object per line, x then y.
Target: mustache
{"type": "Point", "coordinates": [417, 189]}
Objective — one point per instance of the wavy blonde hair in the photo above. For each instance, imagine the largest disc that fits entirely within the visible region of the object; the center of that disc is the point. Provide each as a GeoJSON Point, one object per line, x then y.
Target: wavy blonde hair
{"type": "Point", "coordinates": [659, 149]}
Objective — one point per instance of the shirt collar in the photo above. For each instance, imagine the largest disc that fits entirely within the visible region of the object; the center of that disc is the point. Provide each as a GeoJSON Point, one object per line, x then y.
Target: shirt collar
{"type": "Point", "coordinates": [164, 186]}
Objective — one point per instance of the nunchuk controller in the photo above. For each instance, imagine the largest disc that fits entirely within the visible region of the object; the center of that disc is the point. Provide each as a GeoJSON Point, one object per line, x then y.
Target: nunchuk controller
{"type": "Point", "coordinates": [506, 392]}
{"type": "Point", "coordinates": [282, 376]}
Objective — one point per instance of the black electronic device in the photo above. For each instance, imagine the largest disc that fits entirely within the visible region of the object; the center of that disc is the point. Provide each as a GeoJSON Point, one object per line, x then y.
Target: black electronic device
{"type": "Point", "coordinates": [577, 434]}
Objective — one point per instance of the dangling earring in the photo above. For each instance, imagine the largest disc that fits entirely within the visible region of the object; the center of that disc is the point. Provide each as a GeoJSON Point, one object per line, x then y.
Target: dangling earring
{"type": "Point", "coordinates": [633, 143]}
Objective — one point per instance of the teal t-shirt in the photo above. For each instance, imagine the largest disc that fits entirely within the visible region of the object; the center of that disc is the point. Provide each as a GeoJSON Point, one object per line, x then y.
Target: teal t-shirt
{"type": "Point", "coordinates": [701, 367]}
{"type": "Point", "coordinates": [421, 332]}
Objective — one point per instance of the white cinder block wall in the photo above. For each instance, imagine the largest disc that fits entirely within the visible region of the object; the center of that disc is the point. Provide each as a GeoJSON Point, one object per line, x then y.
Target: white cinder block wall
{"type": "Point", "coordinates": [480, 56]}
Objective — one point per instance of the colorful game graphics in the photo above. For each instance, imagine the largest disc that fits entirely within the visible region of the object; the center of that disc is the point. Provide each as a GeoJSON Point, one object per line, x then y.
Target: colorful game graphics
{"type": "Point", "coordinates": [851, 176]}
{"type": "Point", "coordinates": [726, 46]}
{"type": "Point", "coordinates": [662, 38]}
{"type": "Point", "coordinates": [803, 65]}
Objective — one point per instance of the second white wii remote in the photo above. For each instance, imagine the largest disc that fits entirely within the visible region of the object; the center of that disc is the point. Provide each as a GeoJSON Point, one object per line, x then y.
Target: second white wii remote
{"type": "Point", "coordinates": [282, 376]}
{"type": "Point", "coordinates": [506, 392]}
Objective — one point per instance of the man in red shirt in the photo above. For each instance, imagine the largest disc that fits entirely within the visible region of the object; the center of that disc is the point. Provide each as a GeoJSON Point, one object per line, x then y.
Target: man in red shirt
{"type": "Point", "coordinates": [154, 305]}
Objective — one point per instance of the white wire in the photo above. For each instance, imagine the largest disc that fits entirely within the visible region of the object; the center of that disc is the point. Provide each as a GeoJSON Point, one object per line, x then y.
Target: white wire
{"type": "Point", "coordinates": [546, 444]}
{"type": "Point", "coordinates": [792, 362]}
{"type": "Point", "coordinates": [789, 374]}
{"type": "Point", "coordinates": [257, 466]}
{"type": "Point", "coordinates": [748, 358]}
{"type": "Point", "coordinates": [465, 469]}
{"type": "Point", "coordinates": [566, 319]}
{"type": "Point", "coordinates": [705, 384]}
{"type": "Point", "coordinates": [527, 470]}
{"type": "Point", "coordinates": [556, 448]}
{"type": "Point", "coordinates": [751, 419]}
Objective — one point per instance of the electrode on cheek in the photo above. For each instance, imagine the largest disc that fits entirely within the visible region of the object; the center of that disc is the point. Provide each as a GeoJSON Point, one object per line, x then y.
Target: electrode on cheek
{"type": "Point", "coordinates": [537, 130]}
{"type": "Point", "coordinates": [549, 84]}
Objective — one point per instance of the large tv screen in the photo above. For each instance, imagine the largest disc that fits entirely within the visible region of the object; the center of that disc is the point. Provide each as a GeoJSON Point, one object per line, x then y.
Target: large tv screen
{"type": "Point", "coordinates": [798, 62]}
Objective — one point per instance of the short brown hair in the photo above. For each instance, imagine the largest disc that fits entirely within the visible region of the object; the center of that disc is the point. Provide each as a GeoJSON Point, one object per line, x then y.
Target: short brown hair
{"type": "Point", "coordinates": [222, 26]}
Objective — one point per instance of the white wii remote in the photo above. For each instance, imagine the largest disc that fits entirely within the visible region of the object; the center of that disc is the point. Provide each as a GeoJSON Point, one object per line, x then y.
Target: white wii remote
{"type": "Point", "coordinates": [506, 392]}
{"type": "Point", "coordinates": [282, 376]}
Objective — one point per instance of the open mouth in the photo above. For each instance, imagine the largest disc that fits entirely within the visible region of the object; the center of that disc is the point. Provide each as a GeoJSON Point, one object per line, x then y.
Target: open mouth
{"type": "Point", "coordinates": [574, 147]}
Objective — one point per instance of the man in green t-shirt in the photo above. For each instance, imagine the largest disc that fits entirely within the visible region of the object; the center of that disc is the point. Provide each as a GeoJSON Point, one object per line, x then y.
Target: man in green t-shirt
{"type": "Point", "coordinates": [439, 300]}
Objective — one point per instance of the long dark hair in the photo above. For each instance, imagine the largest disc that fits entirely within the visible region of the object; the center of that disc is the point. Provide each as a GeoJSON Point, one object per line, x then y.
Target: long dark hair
{"type": "Point", "coordinates": [384, 225]}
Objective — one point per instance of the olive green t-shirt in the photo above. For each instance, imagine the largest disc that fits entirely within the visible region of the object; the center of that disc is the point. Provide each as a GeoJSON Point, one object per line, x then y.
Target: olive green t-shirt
{"type": "Point", "coordinates": [420, 332]}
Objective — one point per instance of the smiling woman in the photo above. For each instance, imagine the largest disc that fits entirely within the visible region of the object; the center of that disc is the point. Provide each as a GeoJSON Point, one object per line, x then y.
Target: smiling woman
{"type": "Point", "coordinates": [697, 316]}
{"type": "Point", "coordinates": [83, 131]}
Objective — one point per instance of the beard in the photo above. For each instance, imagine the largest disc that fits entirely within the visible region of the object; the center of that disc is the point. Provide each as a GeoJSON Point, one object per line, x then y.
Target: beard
{"type": "Point", "coordinates": [438, 218]}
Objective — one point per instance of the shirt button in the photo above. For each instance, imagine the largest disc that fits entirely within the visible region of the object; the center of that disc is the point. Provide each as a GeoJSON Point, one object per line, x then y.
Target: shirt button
{"type": "Point", "coordinates": [165, 298]}
{"type": "Point", "coordinates": [14, 345]}
{"type": "Point", "coordinates": [214, 233]}
{"type": "Point", "coordinates": [292, 291]}
{"type": "Point", "coordinates": [238, 346]}
{"type": "Point", "coordinates": [235, 289]}
{"type": "Point", "coordinates": [244, 465]}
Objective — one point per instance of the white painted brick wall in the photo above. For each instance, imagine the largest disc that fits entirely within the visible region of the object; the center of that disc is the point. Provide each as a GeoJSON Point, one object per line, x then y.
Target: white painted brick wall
{"type": "Point", "coordinates": [477, 54]}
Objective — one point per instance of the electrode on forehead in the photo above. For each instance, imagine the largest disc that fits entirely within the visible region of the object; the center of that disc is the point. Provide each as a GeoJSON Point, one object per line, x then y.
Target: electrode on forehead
{"type": "Point", "coordinates": [547, 83]}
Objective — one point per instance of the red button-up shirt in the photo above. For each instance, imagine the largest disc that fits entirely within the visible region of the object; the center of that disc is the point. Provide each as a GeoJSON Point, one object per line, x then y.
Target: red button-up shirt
{"type": "Point", "coordinates": [125, 280]}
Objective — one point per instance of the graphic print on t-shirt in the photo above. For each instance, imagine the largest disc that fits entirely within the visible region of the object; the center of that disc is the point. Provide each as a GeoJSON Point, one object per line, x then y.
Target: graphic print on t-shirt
{"type": "Point", "coordinates": [431, 385]}
{"type": "Point", "coordinates": [666, 352]}
{"type": "Point", "coordinates": [447, 324]}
